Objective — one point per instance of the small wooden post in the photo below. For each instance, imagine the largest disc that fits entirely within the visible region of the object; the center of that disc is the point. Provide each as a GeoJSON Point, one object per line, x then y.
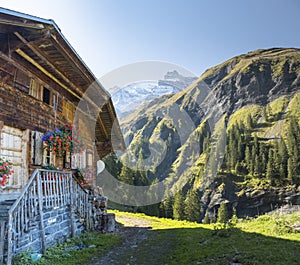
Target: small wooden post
{"type": "Point", "coordinates": [40, 199]}
{"type": "Point", "coordinates": [71, 206]}
{"type": "Point", "coordinates": [9, 239]}
{"type": "Point", "coordinates": [2, 235]}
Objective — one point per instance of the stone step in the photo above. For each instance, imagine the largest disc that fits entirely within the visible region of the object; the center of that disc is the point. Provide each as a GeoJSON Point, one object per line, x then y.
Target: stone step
{"type": "Point", "coordinates": [6, 202]}
{"type": "Point", "coordinates": [9, 196]}
{"type": "Point", "coordinates": [3, 213]}
{"type": "Point", "coordinates": [8, 199]}
{"type": "Point", "coordinates": [5, 206]}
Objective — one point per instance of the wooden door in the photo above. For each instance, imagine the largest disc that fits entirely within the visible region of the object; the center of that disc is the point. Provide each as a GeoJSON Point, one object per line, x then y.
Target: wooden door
{"type": "Point", "coordinates": [13, 146]}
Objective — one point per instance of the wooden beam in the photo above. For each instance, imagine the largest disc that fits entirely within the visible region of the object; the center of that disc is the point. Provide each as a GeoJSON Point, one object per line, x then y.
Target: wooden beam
{"type": "Point", "coordinates": [21, 24]}
{"type": "Point", "coordinates": [79, 95]}
{"type": "Point", "coordinates": [103, 128]}
{"type": "Point", "coordinates": [114, 116]}
{"type": "Point", "coordinates": [49, 64]}
{"type": "Point", "coordinates": [44, 71]}
{"type": "Point", "coordinates": [111, 111]}
{"type": "Point", "coordinates": [70, 59]}
{"type": "Point", "coordinates": [22, 68]}
{"type": "Point", "coordinates": [13, 62]}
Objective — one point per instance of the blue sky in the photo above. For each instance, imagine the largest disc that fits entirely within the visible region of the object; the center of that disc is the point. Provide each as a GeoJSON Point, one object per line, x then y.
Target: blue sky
{"type": "Point", "coordinates": [193, 34]}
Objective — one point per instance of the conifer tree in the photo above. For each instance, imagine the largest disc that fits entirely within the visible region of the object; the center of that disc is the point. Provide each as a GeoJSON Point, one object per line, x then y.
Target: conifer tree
{"type": "Point", "coordinates": [152, 209]}
{"type": "Point", "coordinates": [249, 122]}
{"type": "Point", "coordinates": [141, 178]}
{"type": "Point", "coordinates": [248, 157]}
{"type": "Point", "coordinates": [223, 216]}
{"type": "Point", "coordinates": [192, 207]}
{"type": "Point", "coordinates": [255, 148]}
{"type": "Point", "coordinates": [257, 165]}
{"type": "Point", "coordinates": [283, 159]}
{"type": "Point", "coordinates": [262, 158]}
{"type": "Point", "coordinates": [240, 149]}
{"type": "Point", "coordinates": [293, 137]}
{"type": "Point", "coordinates": [179, 206]}
{"type": "Point", "coordinates": [252, 161]}
{"type": "Point", "coordinates": [113, 164]}
{"type": "Point", "coordinates": [127, 174]}
{"type": "Point", "coordinates": [270, 173]}
{"type": "Point", "coordinates": [166, 208]}
{"type": "Point", "coordinates": [291, 168]}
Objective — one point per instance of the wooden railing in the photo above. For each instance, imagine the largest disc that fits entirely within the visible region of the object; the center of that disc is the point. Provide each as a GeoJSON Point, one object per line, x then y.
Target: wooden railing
{"type": "Point", "coordinates": [45, 190]}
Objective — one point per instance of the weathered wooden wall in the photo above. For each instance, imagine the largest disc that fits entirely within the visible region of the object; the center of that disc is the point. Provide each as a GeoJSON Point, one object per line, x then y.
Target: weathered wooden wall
{"type": "Point", "coordinates": [20, 110]}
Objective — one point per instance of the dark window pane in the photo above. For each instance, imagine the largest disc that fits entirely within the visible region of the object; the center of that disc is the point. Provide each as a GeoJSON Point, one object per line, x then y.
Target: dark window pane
{"type": "Point", "coordinates": [46, 95]}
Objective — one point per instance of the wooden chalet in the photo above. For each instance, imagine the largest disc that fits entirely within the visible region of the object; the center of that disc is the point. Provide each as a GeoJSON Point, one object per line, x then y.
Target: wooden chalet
{"type": "Point", "coordinates": [44, 84]}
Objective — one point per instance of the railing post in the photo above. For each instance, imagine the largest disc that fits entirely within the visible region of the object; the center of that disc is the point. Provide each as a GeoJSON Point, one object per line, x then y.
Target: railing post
{"type": "Point", "coordinates": [2, 239]}
{"type": "Point", "coordinates": [72, 206]}
{"type": "Point", "coordinates": [40, 200]}
{"type": "Point", "coordinates": [9, 239]}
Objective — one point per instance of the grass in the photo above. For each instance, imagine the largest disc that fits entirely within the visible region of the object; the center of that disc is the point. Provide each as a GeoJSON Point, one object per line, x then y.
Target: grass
{"type": "Point", "coordinates": [241, 115]}
{"type": "Point", "coordinates": [279, 113]}
{"type": "Point", "coordinates": [278, 57]}
{"type": "Point", "coordinates": [76, 251]}
{"type": "Point", "coordinates": [294, 106]}
{"type": "Point", "coordinates": [278, 106]}
{"type": "Point", "coordinates": [266, 240]}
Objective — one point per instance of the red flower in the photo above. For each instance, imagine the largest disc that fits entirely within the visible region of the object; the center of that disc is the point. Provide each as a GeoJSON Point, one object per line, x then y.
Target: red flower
{"type": "Point", "coordinates": [61, 140]}
{"type": "Point", "coordinates": [6, 169]}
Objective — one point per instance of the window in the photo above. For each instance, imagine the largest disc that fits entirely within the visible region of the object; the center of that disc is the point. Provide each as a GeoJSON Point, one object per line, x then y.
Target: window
{"type": "Point", "coordinates": [48, 158]}
{"type": "Point", "coordinates": [35, 89]}
{"type": "Point", "coordinates": [78, 160]}
{"type": "Point", "coordinates": [89, 160]}
{"type": "Point", "coordinates": [46, 95]}
{"type": "Point", "coordinates": [82, 159]}
{"type": "Point", "coordinates": [74, 161]}
{"type": "Point", "coordinates": [68, 110]}
{"type": "Point", "coordinates": [59, 104]}
{"type": "Point", "coordinates": [22, 81]}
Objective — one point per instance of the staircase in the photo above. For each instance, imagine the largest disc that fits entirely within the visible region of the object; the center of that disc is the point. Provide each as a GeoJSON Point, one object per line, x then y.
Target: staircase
{"type": "Point", "coordinates": [52, 203]}
{"type": "Point", "coordinates": [6, 202]}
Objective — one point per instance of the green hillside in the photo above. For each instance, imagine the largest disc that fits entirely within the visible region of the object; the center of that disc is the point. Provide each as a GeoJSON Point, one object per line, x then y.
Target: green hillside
{"type": "Point", "coordinates": [231, 137]}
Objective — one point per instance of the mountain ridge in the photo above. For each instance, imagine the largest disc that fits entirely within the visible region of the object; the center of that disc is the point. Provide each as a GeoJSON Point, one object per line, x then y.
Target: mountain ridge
{"type": "Point", "coordinates": [253, 96]}
{"type": "Point", "coordinates": [132, 96]}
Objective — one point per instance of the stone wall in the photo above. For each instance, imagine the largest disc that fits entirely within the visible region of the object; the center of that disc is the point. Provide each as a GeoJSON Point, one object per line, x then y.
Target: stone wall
{"type": "Point", "coordinates": [57, 226]}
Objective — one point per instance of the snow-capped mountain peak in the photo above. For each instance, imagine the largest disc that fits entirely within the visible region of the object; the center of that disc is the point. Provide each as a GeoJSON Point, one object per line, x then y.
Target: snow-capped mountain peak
{"type": "Point", "coordinates": [128, 98]}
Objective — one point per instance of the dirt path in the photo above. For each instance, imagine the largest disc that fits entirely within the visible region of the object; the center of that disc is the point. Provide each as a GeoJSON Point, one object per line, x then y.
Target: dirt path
{"type": "Point", "coordinates": [134, 231]}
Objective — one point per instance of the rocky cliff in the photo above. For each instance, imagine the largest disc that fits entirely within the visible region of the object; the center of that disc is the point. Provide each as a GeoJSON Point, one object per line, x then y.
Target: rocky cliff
{"type": "Point", "coordinates": [177, 133]}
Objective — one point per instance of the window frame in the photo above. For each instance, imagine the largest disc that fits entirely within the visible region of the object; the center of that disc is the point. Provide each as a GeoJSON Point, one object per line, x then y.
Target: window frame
{"type": "Point", "coordinates": [48, 99]}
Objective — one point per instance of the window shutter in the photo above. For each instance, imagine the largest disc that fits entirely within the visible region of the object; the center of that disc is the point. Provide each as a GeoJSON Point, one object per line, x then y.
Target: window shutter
{"type": "Point", "coordinates": [22, 81]}
{"type": "Point", "coordinates": [59, 104]}
{"type": "Point", "coordinates": [36, 148]}
{"type": "Point", "coordinates": [82, 159]}
{"type": "Point", "coordinates": [74, 161]}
